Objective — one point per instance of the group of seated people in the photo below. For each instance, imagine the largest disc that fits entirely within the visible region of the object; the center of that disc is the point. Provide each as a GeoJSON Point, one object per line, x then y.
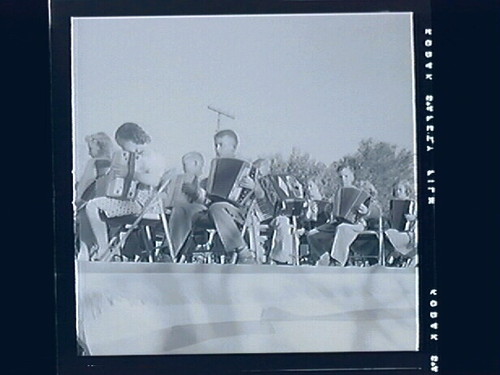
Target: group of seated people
{"type": "Point", "coordinates": [241, 213]}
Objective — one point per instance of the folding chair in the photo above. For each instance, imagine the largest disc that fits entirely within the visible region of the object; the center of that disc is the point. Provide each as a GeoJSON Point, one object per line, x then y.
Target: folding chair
{"type": "Point", "coordinates": [366, 250]}
{"type": "Point", "coordinates": [196, 251]}
{"type": "Point", "coordinates": [396, 259]}
{"type": "Point", "coordinates": [143, 225]}
{"type": "Point", "coordinates": [210, 250]}
{"type": "Point", "coordinates": [204, 246]}
{"type": "Point", "coordinates": [368, 247]}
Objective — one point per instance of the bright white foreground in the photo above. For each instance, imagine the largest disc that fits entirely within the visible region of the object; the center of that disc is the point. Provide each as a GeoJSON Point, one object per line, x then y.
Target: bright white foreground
{"type": "Point", "coordinates": [136, 309]}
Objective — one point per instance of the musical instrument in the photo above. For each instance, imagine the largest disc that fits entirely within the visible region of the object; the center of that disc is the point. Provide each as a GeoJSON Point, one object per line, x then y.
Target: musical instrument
{"type": "Point", "coordinates": [122, 187]}
{"type": "Point", "coordinates": [315, 208]}
{"type": "Point", "coordinates": [284, 194]}
{"type": "Point", "coordinates": [348, 201]}
{"type": "Point", "coordinates": [264, 209]}
{"type": "Point", "coordinates": [117, 243]}
{"type": "Point", "coordinates": [224, 180]}
{"type": "Point", "coordinates": [398, 208]}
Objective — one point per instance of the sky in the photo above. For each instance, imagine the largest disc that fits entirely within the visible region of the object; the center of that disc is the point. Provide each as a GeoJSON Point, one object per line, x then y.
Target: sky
{"type": "Point", "coordinates": [319, 83]}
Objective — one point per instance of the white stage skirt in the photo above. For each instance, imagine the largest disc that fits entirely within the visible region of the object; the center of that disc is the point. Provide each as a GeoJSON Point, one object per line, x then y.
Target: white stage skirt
{"type": "Point", "coordinates": [162, 308]}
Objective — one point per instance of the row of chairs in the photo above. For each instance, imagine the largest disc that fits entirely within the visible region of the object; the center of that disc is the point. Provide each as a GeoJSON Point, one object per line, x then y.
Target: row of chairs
{"type": "Point", "coordinates": [146, 238]}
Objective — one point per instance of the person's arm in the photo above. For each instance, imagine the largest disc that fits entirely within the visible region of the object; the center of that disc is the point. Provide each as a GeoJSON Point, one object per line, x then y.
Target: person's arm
{"type": "Point", "coordinates": [315, 195]}
{"type": "Point", "coordinates": [332, 205]}
{"type": "Point", "coordinates": [87, 178]}
{"type": "Point", "coordinates": [193, 191]}
{"type": "Point", "coordinates": [202, 195]}
{"type": "Point", "coordinates": [152, 172]}
{"type": "Point", "coordinates": [412, 216]}
{"type": "Point", "coordinates": [412, 219]}
{"type": "Point", "coordinates": [253, 185]}
{"type": "Point", "coordinates": [148, 177]}
{"type": "Point", "coordinates": [258, 191]}
{"type": "Point", "coordinates": [365, 209]}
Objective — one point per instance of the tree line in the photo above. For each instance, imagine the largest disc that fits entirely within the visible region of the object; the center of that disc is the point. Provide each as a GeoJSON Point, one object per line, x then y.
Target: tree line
{"type": "Point", "coordinates": [381, 163]}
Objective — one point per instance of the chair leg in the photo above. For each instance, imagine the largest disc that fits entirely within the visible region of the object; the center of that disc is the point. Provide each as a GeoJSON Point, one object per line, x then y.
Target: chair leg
{"type": "Point", "coordinates": [296, 242]}
{"type": "Point", "coordinates": [181, 256]}
{"type": "Point", "coordinates": [151, 244]}
{"type": "Point", "coordinates": [365, 260]}
{"type": "Point", "coordinates": [166, 229]}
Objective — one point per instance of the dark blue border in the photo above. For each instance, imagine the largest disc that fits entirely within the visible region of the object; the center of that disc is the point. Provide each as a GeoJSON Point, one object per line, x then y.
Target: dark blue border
{"type": "Point", "coordinates": [71, 364]}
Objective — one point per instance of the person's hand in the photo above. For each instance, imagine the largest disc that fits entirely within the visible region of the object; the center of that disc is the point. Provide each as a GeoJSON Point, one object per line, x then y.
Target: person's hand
{"type": "Point", "coordinates": [247, 183]}
{"type": "Point", "coordinates": [362, 210]}
{"type": "Point", "coordinates": [410, 217]}
{"type": "Point", "coordinates": [312, 210]}
{"type": "Point", "coordinates": [190, 189]}
{"type": "Point", "coordinates": [300, 232]}
{"type": "Point", "coordinates": [119, 170]}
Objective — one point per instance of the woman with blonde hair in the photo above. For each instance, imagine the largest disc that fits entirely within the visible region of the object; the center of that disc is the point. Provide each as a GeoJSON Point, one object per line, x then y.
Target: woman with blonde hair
{"type": "Point", "coordinates": [91, 184]}
{"type": "Point", "coordinates": [100, 149]}
{"type": "Point", "coordinates": [403, 241]}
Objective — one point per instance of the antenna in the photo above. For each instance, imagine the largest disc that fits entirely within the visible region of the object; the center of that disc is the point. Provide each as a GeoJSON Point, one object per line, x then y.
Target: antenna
{"type": "Point", "coordinates": [219, 113]}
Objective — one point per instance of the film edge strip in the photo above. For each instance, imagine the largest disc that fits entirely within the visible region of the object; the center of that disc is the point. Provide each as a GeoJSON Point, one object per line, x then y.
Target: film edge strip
{"type": "Point", "coordinates": [430, 189]}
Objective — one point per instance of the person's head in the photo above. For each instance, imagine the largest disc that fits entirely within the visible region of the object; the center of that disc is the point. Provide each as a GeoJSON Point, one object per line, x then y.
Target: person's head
{"type": "Point", "coordinates": [263, 166]}
{"type": "Point", "coordinates": [225, 142]}
{"type": "Point", "coordinates": [369, 188]}
{"type": "Point", "coordinates": [131, 137]}
{"type": "Point", "coordinates": [346, 176]}
{"type": "Point", "coordinates": [402, 190]}
{"type": "Point", "coordinates": [312, 189]}
{"type": "Point", "coordinates": [192, 162]}
{"type": "Point", "coordinates": [99, 145]}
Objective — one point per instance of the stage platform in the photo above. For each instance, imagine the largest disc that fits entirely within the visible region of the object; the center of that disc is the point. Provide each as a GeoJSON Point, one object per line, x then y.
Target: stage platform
{"type": "Point", "coordinates": [164, 308]}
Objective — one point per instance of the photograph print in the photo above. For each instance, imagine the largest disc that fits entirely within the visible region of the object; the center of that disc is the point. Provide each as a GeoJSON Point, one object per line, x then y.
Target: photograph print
{"type": "Point", "coordinates": [245, 184]}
